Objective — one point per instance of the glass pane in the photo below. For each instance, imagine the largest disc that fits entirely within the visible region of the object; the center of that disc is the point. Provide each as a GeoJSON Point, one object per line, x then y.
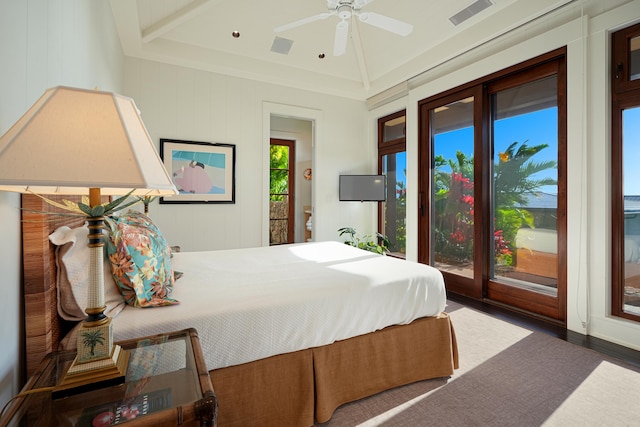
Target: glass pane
{"type": "Point", "coordinates": [279, 223]}
{"type": "Point", "coordinates": [279, 181]}
{"type": "Point", "coordinates": [279, 157]}
{"type": "Point", "coordinates": [525, 189]}
{"type": "Point", "coordinates": [394, 129]}
{"type": "Point", "coordinates": [634, 58]}
{"type": "Point", "coordinates": [631, 189]}
{"type": "Point", "coordinates": [394, 166]}
{"type": "Point", "coordinates": [452, 133]}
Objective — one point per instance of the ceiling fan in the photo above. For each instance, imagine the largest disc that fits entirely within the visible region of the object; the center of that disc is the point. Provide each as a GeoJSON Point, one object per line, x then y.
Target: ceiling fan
{"type": "Point", "coordinates": [345, 9]}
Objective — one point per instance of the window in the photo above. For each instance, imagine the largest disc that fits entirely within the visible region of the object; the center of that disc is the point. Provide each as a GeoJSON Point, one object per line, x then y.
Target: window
{"type": "Point", "coordinates": [625, 189]}
{"type": "Point", "coordinates": [392, 162]}
{"type": "Point", "coordinates": [492, 185]}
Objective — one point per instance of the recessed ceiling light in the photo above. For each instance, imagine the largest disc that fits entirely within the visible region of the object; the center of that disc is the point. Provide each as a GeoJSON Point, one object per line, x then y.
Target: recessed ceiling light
{"type": "Point", "coordinates": [236, 34]}
{"type": "Point", "coordinates": [321, 56]}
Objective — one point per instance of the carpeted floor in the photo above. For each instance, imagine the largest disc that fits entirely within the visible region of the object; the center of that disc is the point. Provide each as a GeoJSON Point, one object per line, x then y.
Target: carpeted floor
{"type": "Point", "coordinates": [508, 376]}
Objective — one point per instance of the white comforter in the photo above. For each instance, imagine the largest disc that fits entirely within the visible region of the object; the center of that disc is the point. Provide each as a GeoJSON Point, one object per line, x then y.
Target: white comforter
{"type": "Point", "coordinates": [248, 304]}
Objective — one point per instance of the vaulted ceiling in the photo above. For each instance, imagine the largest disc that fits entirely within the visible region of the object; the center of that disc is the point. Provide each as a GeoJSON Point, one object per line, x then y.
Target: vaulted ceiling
{"type": "Point", "coordinates": [199, 34]}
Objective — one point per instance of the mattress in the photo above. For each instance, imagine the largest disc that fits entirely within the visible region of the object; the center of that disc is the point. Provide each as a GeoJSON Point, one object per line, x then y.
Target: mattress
{"type": "Point", "coordinates": [249, 304]}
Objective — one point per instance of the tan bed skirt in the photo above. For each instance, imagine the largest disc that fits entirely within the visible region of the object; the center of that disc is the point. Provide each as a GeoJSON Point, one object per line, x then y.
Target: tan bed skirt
{"type": "Point", "coordinates": [297, 388]}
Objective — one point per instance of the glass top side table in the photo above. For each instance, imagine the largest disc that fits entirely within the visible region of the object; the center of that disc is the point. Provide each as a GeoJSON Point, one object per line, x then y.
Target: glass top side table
{"type": "Point", "coordinates": [166, 384]}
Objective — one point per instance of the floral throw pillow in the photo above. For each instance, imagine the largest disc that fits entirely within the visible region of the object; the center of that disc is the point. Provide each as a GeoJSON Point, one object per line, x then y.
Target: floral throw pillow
{"type": "Point", "coordinates": [140, 261]}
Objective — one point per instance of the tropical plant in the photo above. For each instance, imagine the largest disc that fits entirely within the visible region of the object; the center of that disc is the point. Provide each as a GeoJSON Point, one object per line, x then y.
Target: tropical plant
{"type": "Point", "coordinates": [377, 243]}
{"type": "Point", "coordinates": [146, 200]}
{"type": "Point", "coordinates": [279, 177]}
{"type": "Point", "coordinates": [454, 204]}
{"type": "Point", "coordinates": [83, 207]}
{"type": "Point", "coordinates": [400, 237]}
{"type": "Point", "coordinates": [513, 184]}
{"type": "Point", "coordinates": [91, 339]}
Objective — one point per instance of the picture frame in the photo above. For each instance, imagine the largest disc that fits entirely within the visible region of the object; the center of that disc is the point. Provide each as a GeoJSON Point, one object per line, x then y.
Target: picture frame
{"type": "Point", "coordinates": [203, 172]}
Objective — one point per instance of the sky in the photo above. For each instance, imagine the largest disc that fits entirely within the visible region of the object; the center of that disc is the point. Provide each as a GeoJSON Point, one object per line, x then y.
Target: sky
{"type": "Point", "coordinates": [631, 151]}
{"type": "Point", "coordinates": [527, 127]}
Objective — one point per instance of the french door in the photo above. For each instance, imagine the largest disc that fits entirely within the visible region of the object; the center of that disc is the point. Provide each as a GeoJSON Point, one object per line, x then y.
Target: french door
{"type": "Point", "coordinates": [492, 188]}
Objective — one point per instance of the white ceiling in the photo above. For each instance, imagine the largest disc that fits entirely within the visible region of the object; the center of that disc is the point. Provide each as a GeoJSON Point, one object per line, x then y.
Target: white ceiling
{"type": "Point", "coordinates": [198, 34]}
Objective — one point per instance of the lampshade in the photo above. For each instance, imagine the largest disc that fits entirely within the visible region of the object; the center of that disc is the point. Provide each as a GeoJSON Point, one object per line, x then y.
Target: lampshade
{"type": "Point", "coordinates": [73, 139]}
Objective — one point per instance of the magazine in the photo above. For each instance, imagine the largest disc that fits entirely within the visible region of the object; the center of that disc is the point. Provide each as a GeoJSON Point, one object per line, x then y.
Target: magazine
{"type": "Point", "coordinates": [118, 412]}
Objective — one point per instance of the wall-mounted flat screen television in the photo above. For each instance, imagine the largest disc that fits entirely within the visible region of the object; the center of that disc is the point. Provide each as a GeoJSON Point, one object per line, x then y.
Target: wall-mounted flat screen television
{"type": "Point", "coordinates": [362, 188]}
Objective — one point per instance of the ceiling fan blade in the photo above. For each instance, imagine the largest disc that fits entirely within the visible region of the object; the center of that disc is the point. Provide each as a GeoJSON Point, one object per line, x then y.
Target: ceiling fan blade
{"type": "Point", "coordinates": [340, 43]}
{"type": "Point", "coordinates": [303, 21]}
{"type": "Point", "coordinates": [357, 4]}
{"type": "Point", "coordinates": [386, 23]}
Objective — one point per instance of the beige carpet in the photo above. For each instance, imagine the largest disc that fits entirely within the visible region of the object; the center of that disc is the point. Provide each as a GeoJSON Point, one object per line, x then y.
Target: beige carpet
{"type": "Point", "coordinates": [508, 376]}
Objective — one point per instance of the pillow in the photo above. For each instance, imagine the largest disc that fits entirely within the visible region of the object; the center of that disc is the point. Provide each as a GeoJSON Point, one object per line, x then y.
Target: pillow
{"type": "Point", "coordinates": [72, 259]}
{"type": "Point", "coordinates": [140, 261]}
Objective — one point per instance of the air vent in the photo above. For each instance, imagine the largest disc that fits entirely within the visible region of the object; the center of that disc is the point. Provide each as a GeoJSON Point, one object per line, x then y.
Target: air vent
{"type": "Point", "coordinates": [470, 11]}
{"type": "Point", "coordinates": [281, 45]}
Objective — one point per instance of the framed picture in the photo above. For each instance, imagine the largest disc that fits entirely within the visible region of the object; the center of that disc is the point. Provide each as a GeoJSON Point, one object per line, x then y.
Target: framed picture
{"type": "Point", "coordinates": [203, 172]}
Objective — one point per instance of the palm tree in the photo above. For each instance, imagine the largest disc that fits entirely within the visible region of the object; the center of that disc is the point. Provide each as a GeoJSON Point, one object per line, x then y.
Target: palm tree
{"type": "Point", "coordinates": [514, 182]}
{"type": "Point", "coordinates": [91, 339]}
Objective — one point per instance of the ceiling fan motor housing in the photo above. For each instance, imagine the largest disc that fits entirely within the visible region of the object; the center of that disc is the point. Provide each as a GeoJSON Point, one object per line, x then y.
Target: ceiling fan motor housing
{"type": "Point", "coordinates": [344, 11]}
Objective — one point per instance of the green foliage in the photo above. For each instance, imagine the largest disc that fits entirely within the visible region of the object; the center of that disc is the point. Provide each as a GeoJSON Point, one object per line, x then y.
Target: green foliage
{"type": "Point", "coordinates": [377, 243]}
{"type": "Point", "coordinates": [279, 175]}
{"type": "Point", "coordinates": [454, 200]}
{"type": "Point", "coordinates": [401, 215]}
{"type": "Point", "coordinates": [83, 209]}
{"type": "Point", "coordinates": [513, 174]}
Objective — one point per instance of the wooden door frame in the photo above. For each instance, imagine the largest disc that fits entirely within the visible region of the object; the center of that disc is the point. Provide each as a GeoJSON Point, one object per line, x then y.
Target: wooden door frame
{"type": "Point", "coordinates": [291, 229]}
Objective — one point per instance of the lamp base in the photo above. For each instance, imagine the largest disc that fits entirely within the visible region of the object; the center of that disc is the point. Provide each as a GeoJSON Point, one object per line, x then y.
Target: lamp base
{"type": "Point", "coordinates": [83, 377]}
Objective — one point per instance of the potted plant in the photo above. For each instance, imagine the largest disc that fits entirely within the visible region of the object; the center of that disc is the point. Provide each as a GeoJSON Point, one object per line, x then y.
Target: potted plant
{"type": "Point", "coordinates": [377, 243]}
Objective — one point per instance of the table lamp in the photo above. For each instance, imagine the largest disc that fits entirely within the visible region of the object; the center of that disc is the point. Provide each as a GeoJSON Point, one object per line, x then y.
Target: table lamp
{"type": "Point", "coordinates": [85, 142]}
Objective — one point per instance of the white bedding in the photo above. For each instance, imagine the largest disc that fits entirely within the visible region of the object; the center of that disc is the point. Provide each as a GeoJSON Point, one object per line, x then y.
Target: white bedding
{"type": "Point", "coordinates": [248, 304]}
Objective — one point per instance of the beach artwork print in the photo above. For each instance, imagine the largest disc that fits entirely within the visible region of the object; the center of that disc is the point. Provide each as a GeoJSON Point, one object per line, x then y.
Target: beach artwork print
{"type": "Point", "coordinates": [202, 172]}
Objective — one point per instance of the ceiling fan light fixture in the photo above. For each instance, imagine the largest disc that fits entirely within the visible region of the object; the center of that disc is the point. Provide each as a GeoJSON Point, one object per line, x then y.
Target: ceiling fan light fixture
{"type": "Point", "coordinates": [345, 11]}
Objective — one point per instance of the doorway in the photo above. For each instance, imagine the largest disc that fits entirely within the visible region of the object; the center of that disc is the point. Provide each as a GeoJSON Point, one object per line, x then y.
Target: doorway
{"type": "Point", "coordinates": [299, 133]}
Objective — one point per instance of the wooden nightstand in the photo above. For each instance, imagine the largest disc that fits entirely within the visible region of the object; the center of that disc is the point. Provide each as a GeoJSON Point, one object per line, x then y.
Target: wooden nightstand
{"type": "Point", "coordinates": [167, 384]}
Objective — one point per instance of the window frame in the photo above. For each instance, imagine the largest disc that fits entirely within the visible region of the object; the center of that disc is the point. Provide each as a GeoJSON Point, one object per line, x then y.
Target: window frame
{"type": "Point", "coordinates": [385, 148]}
{"type": "Point", "coordinates": [625, 94]}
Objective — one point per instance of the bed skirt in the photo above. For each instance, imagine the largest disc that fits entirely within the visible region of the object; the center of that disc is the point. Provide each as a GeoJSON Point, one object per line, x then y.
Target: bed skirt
{"type": "Point", "coordinates": [307, 386]}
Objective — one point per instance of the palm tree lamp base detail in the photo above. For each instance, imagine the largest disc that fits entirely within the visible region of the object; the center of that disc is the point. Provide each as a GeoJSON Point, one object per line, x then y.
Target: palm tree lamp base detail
{"type": "Point", "coordinates": [98, 364]}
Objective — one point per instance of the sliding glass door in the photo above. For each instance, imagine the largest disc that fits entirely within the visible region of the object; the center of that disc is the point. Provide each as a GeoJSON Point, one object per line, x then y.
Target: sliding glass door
{"type": "Point", "coordinates": [492, 179]}
{"type": "Point", "coordinates": [452, 225]}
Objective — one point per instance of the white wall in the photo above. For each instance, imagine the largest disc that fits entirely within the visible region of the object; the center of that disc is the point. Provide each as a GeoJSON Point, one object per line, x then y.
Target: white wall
{"type": "Point", "coordinates": [585, 29]}
{"type": "Point", "coordinates": [195, 105]}
{"type": "Point", "coordinates": [43, 43]}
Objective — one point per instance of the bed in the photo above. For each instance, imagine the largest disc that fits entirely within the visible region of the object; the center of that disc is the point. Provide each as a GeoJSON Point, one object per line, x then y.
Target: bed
{"type": "Point", "coordinates": [265, 372]}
